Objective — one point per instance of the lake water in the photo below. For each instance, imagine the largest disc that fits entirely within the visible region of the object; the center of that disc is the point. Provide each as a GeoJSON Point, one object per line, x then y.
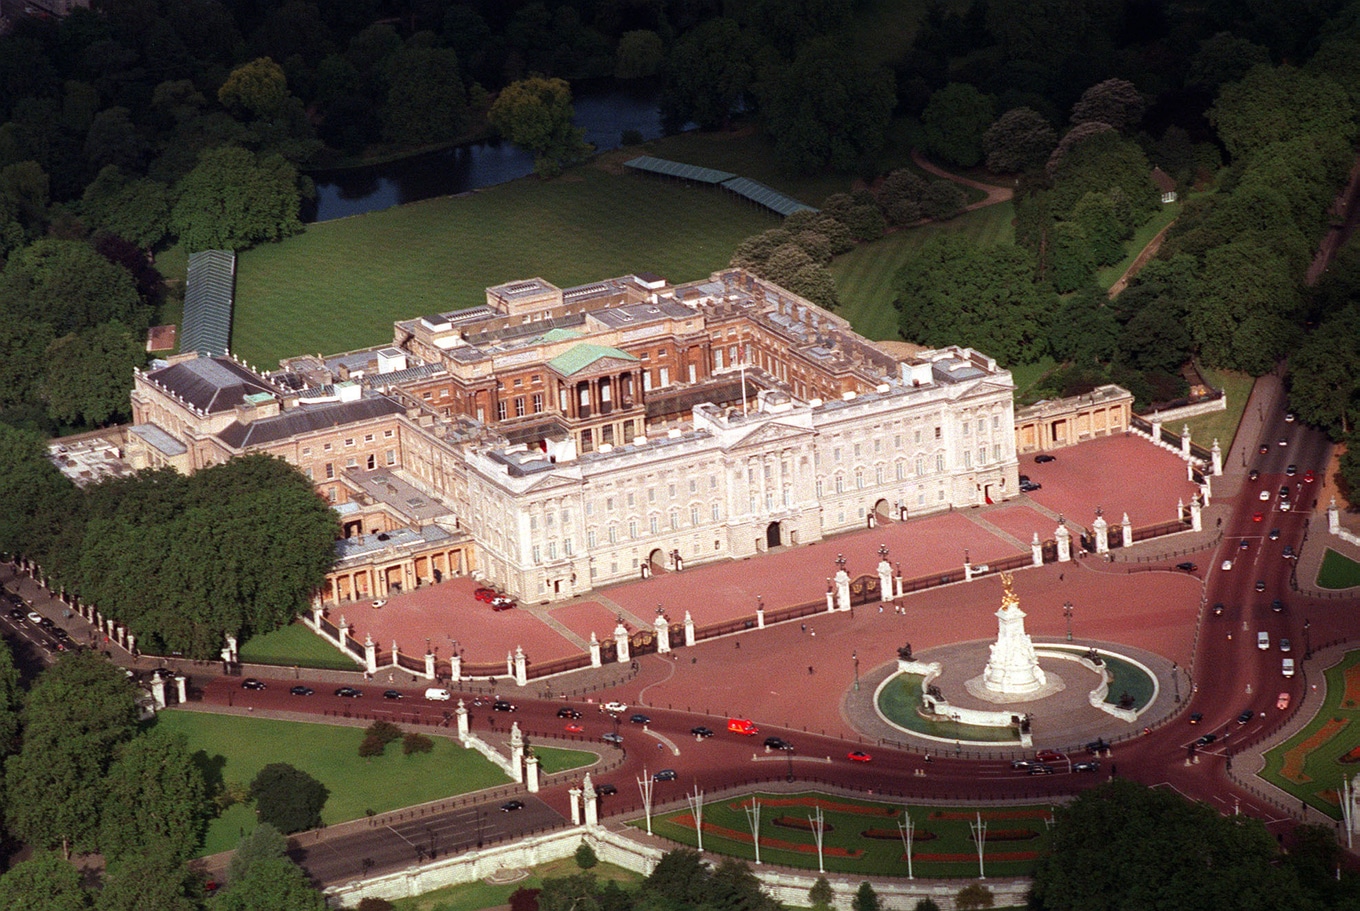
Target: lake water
{"type": "Point", "coordinates": [603, 114]}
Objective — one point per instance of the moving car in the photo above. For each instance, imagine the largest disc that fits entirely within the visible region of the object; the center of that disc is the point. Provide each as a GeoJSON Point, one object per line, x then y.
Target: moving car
{"type": "Point", "coordinates": [1206, 740]}
{"type": "Point", "coordinates": [1289, 417]}
{"type": "Point", "coordinates": [574, 728]}
{"type": "Point", "coordinates": [611, 737]}
{"type": "Point", "coordinates": [1260, 585]}
{"type": "Point", "coordinates": [501, 705]}
{"type": "Point", "coordinates": [1050, 756]}
{"type": "Point", "coordinates": [1282, 702]}
{"type": "Point", "coordinates": [1289, 551]}
{"type": "Point", "coordinates": [1274, 534]}
{"type": "Point", "coordinates": [1253, 474]}
{"type": "Point", "coordinates": [1264, 495]}
{"type": "Point", "coordinates": [742, 726]}
{"type": "Point", "coordinates": [1309, 477]}
{"type": "Point", "coordinates": [1021, 764]}
{"type": "Point", "coordinates": [1187, 566]}
{"type": "Point", "coordinates": [1227, 564]}
{"type": "Point", "coordinates": [1247, 715]}
{"type": "Point", "coordinates": [615, 707]}
{"type": "Point", "coordinates": [664, 775]}
{"type": "Point", "coordinates": [1243, 544]}
{"type": "Point", "coordinates": [1287, 667]}
{"type": "Point", "coordinates": [701, 731]}
{"type": "Point", "coordinates": [300, 690]}
{"type": "Point", "coordinates": [1277, 605]}
{"type": "Point", "coordinates": [639, 718]}
{"type": "Point", "coordinates": [436, 694]}
{"type": "Point", "coordinates": [1097, 746]}
{"type": "Point", "coordinates": [858, 756]}
{"type": "Point", "coordinates": [1043, 457]}
{"type": "Point", "coordinates": [777, 743]}
{"type": "Point", "coordinates": [1196, 717]}
{"type": "Point", "coordinates": [250, 683]}
{"type": "Point", "coordinates": [34, 617]}
{"type": "Point", "coordinates": [1291, 469]}
{"type": "Point", "coordinates": [568, 712]}
{"type": "Point", "coordinates": [398, 694]}
{"type": "Point", "coordinates": [1263, 640]}
{"type": "Point", "coordinates": [1284, 441]}
{"type": "Point", "coordinates": [1257, 517]}
{"type": "Point", "coordinates": [1264, 449]}
{"type": "Point", "coordinates": [511, 805]}
{"type": "Point", "coordinates": [1091, 766]}
{"type": "Point", "coordinates": [1286, 645]}
{"type": "Point", "coordinates": [1218, 608]}
{"type": "Point", "coordinates": [1041, 769]}
{"type": "Point", "coordinates": [349, 692]}
{"type": "Point", "coordinates": [606, 789]}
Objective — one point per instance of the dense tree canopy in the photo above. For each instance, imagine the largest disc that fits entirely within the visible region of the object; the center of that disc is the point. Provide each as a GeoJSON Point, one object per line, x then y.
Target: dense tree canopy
{"type": "Point", "coordinates": [1272, 104]}
{"type": "Point", "coordinates": [955, 121]}
{"type": "Point", "coordinates": [536, 114]}
{"type": "Point", "coordinates": [1020, 139]}
{"type": "Point", "coordinates": [233, 200]}
{"type": "Point", "coordinates": [65, 284]}
{"type": "Point", "coordinates": [155, 795]}
{"type": "Point", "coordinates": [288, 798]}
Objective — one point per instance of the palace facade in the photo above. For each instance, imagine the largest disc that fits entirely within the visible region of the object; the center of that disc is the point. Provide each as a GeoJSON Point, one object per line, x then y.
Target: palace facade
{"type": "Point", "coordinates": [554, 440]}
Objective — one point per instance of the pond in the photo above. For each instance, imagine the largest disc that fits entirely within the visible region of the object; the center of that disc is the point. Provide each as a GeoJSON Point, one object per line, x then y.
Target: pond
{"type": "Point", "coordinates": [604, 113]}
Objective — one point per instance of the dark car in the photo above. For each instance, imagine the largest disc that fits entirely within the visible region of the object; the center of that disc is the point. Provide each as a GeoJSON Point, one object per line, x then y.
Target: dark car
{"type": "Point", "coordinates": [1263, 449]}
{"type": "Point", "coordinates": [639, 718]}
{"type": "Point", "coordinates": [1218, 608]}
{"type": "Point", "coordinates": [1274, 534]}
{"type": "Point", "coordinates": [500, 705]}
{"type": "Point", "coordinates": [393, 694]}
{"type": "Point", "coordinates": [349, 692]}
{"type": "Point", "coordinates": [16, 614]}
{"type": "Point", "coordinates": [568, 712]}
{"type": "Point", "coordinates": [664, 775]}
{"type": "Point", "coordinates": [1243, 544]}
{"type": "Point", "coordinates": [1277, 605]}
{"type": "Point", "coordinates": [1247, 715]}
{"type": "Point", "coordinates": [1091, 766]}
{"type": "Point", "coordinates": [1253, 474]}
{"type": "Point", "coordinates": [1284, 491]}
{"type": "Point", "coordinates": [777, 743]}
{"type": "Point", "coordinates": [1196, 717]}
{"type": "Point", "coordinates": [1260, 585]}
{"type": "Point", "coordinates": [1187, 566]}
{"type": "Point", "coordinates": [1040, 768]}
{"type": "Point", "coordinates": [1206, 740]}
{"type": "Point", "coordinates": [47, 623]}
{"type": "Point", "coordinates": [701, 731]}
{"type": "Point", "coordinates": [511, 805]}
{"type": "Point", "coordinates": [1021, 764]}
{"type": "Point", "coordinates": [1291, 470]}
{"type": "Point", "coordinates": [1024, 479]}
{"type": "Point", "coordinates": [250, 683]}
{"type": "Point", "coordinates": [301, 690]}
{"type": "Point", "coordinates": [1097, 746]}
{"type": "Point", "coordinates": [1043, 457]}
{"type": "Point", "coordinates": [605, 790]}
{"type": "Point", "coordinates": [503, 604]}
{"type": "Point", "coordinates": [1289, 551]}
{"type": "Point", "coordinates": [1030, 486]}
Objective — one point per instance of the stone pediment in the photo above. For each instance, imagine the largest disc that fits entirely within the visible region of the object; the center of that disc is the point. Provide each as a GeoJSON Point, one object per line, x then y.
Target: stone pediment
{"type": "Point", "coordinates": [770, 433]}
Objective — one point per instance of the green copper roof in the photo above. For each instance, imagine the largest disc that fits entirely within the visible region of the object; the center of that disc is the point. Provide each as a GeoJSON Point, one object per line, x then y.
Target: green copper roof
{"type": "Point", "coordinates": [559, 335]}
{"type": "Point", "coordinates": [579, 357]}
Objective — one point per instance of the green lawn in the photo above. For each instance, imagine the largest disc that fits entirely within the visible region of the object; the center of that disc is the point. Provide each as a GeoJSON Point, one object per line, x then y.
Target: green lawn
{"type": "Point", "coordinates": [1331, 735]}
{"type": "Point", "coordinates": [1107, 276]}
{"type": "Point", "coordinates": [341, 284]}
{"type": "Point", "coordinates": [477, 895]}
{"type": "Point", "coordinates": [1338, 571]}
{"type": "Point", "coordinates": [864, 276]}
{"type": "Point", "coordinates": [295, 644]}
{"type": "Point", "coordinates": [1221, 425]}
{"type": "Point", "coordinates": [239, 747]}
{"type": "Point", "coordinates": [862, 838]}
{"type": "Point", "coordinates": [1027, 376]}
{"type": "Point", "coordinates": [900, 700]}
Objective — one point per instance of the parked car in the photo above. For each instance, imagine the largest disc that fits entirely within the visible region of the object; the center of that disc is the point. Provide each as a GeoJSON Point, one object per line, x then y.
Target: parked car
{"type": "Point", "coordinates": [617, 708]}
{"type": "Point", "coordinates": [1247, 715]}
{"type": "Point", "coordinates": [485, 594]}
{"type": "Point", "coordinates": [1243, 544]}
{"type": "Point", "coordinates": [501, 705]}
{"type": "Point", "coordinates": [1030, 486]}
{"type": "Point", "coordinates": [250, 683]}
{"type": "Point", "coordinates": [503, 603]}
{"type": "Point", "coordinates": [1289, 417]}
{"type": "Point", "coordinates": [1187, 566]}
{"type": "Point", "coordinates": [1284, 441]}
{"type": "Point", "coordinates": [858, 756]}
{"type": "Point", "coordinates": [1090, 766]}
{"type": "Point", "coordinates": [379, 603]}
{"type": "Point", "coordinates": [664, 775]}
{"type": "Point", "coordinates": [568, 712]}
{"type": "Point", "coordinates": [1264, 449]}
{"type": "Point", "coordinates": [301, 690]}
{"type": "Point", "coordinates": [512, 805]}
{"type": "Point", "coordinates": [1043, 457]}
{"type": "Point", "coordinates": [349, 692]}
{"type": "Point", "coordinates": [701, 731]}
{"type": "Point", "coordinates": [639, 718]}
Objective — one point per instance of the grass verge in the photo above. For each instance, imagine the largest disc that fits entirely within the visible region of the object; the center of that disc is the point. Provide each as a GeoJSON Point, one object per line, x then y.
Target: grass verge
{"type": "Point", "coordinates": [237, 748]}
{"type": "Point", "coordinates": [1338, 571]}
{"type": "Point", "coordinates": [295, 646]}
{"type": "Point", "coordinates": [898, 701]}
{"type": "Point", "coordinates": [861, 838]}
{"type": "Point", "coordinates": [477, 895]}
{"type": "Point", "coordinates": [1107, 276]}
{"type": "Point", "coordinates": [1309, 765]}
{"type": "Point", "coordinates": [1222, 425]}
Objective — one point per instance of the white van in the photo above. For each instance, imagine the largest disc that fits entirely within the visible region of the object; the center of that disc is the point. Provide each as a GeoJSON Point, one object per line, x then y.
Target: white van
{"type": "Point", "coordinates": [1287, 668]}
{"type": "Point", "coordinates": [1263, 640]}
{"type": "Point", "coordinates": [437, 694]}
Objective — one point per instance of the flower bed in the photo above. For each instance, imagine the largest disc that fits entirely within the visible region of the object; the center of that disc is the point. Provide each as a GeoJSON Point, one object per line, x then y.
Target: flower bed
{"type": "Point", "coordinates": [802, 823]}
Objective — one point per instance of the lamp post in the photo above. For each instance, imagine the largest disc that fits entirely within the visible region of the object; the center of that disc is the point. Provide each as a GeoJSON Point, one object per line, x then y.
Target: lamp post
{"type": "Point", "coordinates": [1307, 639]}
{"type": "Point", "coordinates": [789, 755]}
{"type": "Point", "coordinates": [1176, 680]}
{"type": "Point", "coordinates": [1067, 613]}
{"type": "Point", "coordinates": [854, 656]}
{"type": "Point", "coordinates": [883, 552]}
{"type": "Point", "coordinates": [840, 562]}
{"type": "Point", "coordinates": [958, 734]}
{"type": "Point", "coordinates": [760, 603]}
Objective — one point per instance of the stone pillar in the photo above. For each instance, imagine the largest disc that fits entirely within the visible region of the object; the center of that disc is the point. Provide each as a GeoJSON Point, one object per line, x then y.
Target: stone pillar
{"type": "Point", "coordinates": [462, 714]}
{"type": "Point", "coordinates": [1157, 431]}
{"type": "Point", "coordinates": [663, 635]}
{"type": "Point", "coordinates": [122, 637]}
{"type": "Point", "coordinates": [1333, 518]}
{"type": "Point", "coordinates": [371, 655]}
{"type": "Point", "coordinates": [516, 752]}
{"type": "Point", "coordinates": [531, 773]}
{"type": "Point", "coordinates": [429, 665]}
{"type": "Point", "coordinates": [1218, 458]}
{"type": "Point", "coordinates": [1204, 491]}
{"type": "Point", "coordinates": [621, 642]}
{"type": "Point", "coordinates": [316, 616]}
{"type": "Point", "coordinates": [1036, 551]}
{"type": "Point", "coordinates": [1196, 519]}
{"type": "Point", "coordinates": [885, 583]}
{"type": "Point", "coordinates": [830, 597]}
{"type": "Point", "coordinates": [1064, 538]}
{"type": "Point", "coordinates": [1127, 528]}
{"type": "Point", "coordinates": [689, 629]}
{"type": "Point", "coordinates": [1102, 530]}
{"type": "Point", "coordinates": [967, 570]}
{"type": "Point", "coordinates": [898, 580]}
{"type": "Point", "coordinates": [344, 629]}
{"type": "Point", "coordinates": [231, 644]}
{"type": "Point", "coordinates": [509, 664]}
{"type": "Point", "coordinates": [456, 667]}
{"type": "Point", "coordinates": [595, 651]}
{"type": "Point", "coordinates": [575, 795]}
{"type": "Point", "coordinates": [132, 645]}
{"type": "Point", "coordinates": [760, 616]}
{"type": "Point", "coordinates": [589, 798]}
{"type": "Point", "coordinates": [521, 667]}
{"type": "Point", "coordinates": [1185, 441]}
{"type": "Point", "coordinates": [842, 590]}
{"type": "Point", "coordinates": [158, 689]}
{"type": "Point", "coordinates": [182, 688]}
{"type": "Point", "coordinates": [1180, 509]}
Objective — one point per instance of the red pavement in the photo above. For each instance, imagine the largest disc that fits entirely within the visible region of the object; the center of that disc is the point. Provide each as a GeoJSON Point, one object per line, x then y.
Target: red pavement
{"type": "Point", "coordinates": [1120, 474]}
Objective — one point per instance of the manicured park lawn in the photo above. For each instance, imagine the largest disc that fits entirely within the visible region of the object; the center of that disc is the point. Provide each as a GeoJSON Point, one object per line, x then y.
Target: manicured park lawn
{"type": "Point", "coordinates": [1338, 571]}
{"type": "Point", "coordinates": [292, 645]}
{"type": "Point", "coordinates": [1309, 765]}
{"type": "Point", "coordinates": [476, 895]}
{"type": "Point", "coordinates": [900, 699]}
{"type": "Point", "coordinates": [862, 837]}
{"type": "Point", "coordinates": [237, 748]}
{"type": "Point", "coordinates": [1221, 425]}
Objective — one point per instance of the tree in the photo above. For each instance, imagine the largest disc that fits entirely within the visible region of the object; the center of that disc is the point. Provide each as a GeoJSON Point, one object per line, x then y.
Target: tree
{"type": "Point", "coordinates": [288, 798]}
{"type": "Point", "coordinates": [955, 121]}
{"type": "Point", "coordinates": [639, 56]}
{"type": "Point", "coordinates": [536, 114]}
{"type": "Point", "coordinates": [973, 897]}
{"type": "Point", "coordinates": [820, 895]}
{"type": "Point", "coordinates": [426, 101]}
{"type": "Point", "coordinates": [1084, 330]}
{"type": "Point", "coordinates": [926, 904]}
{"type": "Point", "coordinates": [234, 200]}
{"type": "Point", "coordinates": [1325, 375]}
{"type": "Point", "coordinates": [1104, 163]}
{"type": "Point", "coordinates": [135, 210]}
{"type": "Point", "coordinates": [1116, 102]}
{"type": "Point", "coordinates": [113, 140]}
{"type": "Point", "coordinates": [255, 89]}
{"type": "Point", "coordinates": [943, 199]}
{"type": "Point", "coordinates": [41, 500]}
{"type": "Point", "coordinates": [829, 108]}
{"type": "Point", "coordinates": [65, 284]}
{"type": "Point", "coordinates": [1070, 259]}
{"type": "Point", "coordinates": [264, 842]}
{"type": "Point", "coordinates": [707, 75]}
{"type": "Point", "coordinates": [1019, 140]}
{"type": "Point", "coordinates": [899, 196]}
{"type": "Point", "coordinates": [44, 883]}
{"type": "Point", "coordinates": [156, 794]}
{"type": "Point", "coordinates": [1225, 58]}
{"type": "Point", "coordinates": [585, 856]}
{"type": "Point", "coordinates": [1099, 220]}
{"type": "Point", "coordinates": [10, 703]}
{"type": "Point", "coordinates": [153, 876]}
{"type": "Point", "coordinates": [89, 375]}
{"type": "Point", "coordinates": [80, 710]}
{"type": "Point", "coordinates": [1272, 104]}
{"type": "Point", "coordinates": [1238, 319]}
{"type": "Point", "coordinates": [680, 876]}
{"type": "Point", "coordinates": [1348, 470]}
{"type": "Point", "coordinates": [866, 899]}
{"type": "Point", "coordinates": [271, 884]}
{"type": "Point", "coordinates": [24, 196]}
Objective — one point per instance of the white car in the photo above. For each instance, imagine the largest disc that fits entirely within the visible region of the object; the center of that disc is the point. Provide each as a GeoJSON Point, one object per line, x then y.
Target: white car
{"type": "Point", "coordinates": [1287, 667]}
{"type": "Point", "coordinates": [615, 707]}
{"type": "Point", "coordinates": [1263, 640]}
{"type": "Point", "coordinates": [1265, 495]}
{"type": "Point", "coordinates": [1227, 564]}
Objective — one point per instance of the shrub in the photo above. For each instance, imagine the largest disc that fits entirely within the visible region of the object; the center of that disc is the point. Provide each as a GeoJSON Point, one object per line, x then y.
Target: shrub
{"type": "Point", "coordinates": [926, 904]}
{"type": "Point", "coordinates": [820, 895]}
{"type": "Point", "coordinates": [371, 746]}
{"type": "Point", "coordinates": [973, 897]}
{"type": "Point", "coordinates": [288, 798]}
{"type": "Point", "coordinates": [631, 137]}
{"type": "Point", "coordinates": [385, 731]}
{"type": "Point", "coordinates": [375, 904]}
{"type": "Point", "coordinates": [585, 856]}
{"type": "Point", "coordinates": [524, 899]}
{"type": "Point", "coordinates": [416, 743]}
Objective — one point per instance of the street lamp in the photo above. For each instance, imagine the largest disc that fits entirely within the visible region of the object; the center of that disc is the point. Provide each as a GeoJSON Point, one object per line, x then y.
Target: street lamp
{"type": "Point", "coordinates": [883, 552]}
{"type": "Point", "coordinates": [1176, 680]}
{"type": "Point", "coordinates": [854, 656]}
{"type": "Point", "coordinates": [840, 562]}
{"type": "Point", "coordinates": [1067, 613]}
{"type": "Point", "coordinates": [958, 734]}
{"type": "Point", "coordinates": [1307, 639]}
{"type": "Point", "coordinates": [788, 750]}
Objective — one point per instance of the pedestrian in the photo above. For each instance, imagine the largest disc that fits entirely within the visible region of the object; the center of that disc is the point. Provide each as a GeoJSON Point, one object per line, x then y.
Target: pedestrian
{"type": "Point", "coordinates": [880, 608]}
{"type": "Point", "coordinates": [738, 643]}
{"type": "Point", "coordinates": [809, 669]}
{"type": "Point", "coordinates": [1060, 576]}
{"type": "Point", "coordinates": [804, 627]}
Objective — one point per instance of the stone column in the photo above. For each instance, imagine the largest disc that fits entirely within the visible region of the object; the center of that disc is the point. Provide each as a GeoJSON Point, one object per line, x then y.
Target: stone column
{"type": "Point", "coordinates": [132, 645]}
{"type": "Point", "coordinates": [663, 635]}
{"type": "Point", "coordinates": [158, 689]}
{"type": "Point", "coordinates": [1127, 528]}
{"type": "Point", "coordinates": [830, 597]}
{"type": "Point", "coordinates": [1205, 492]}
{"type": "Point", "coordinates": [1333, 518]}
{"type": "Point", "coordinates": [1157, 431]}
{"type": "Point", "coordinates": [842, 590]}
{"type": "Point", "coordinates": [897, 579]}
{"type": "Point", "coordinates": [1218, 458]}
{"type": "Point", "coordinates": [182, 688]}
{"type": "Point", "coordinates": [1102, 530]}
{"type": "Point", "coordinates": [509, 664]}
{"type": "Point", "coordinates": [316, 616]}
{"type": "Point", "coordinates": [967, 569]}
{"type": "Point", "coordinates": [516, 752]}
{"type": "Point", "coordinates": [885, 585]}
{"type": "Point", "coordinates": [429, 665]}
{"type": "Point", "coordinates": [1196, 519]}
{"type": "Point", "coordinates": [621, 642]}
{"type": "Point", "coordinates": [456, 667]}
{"type": "Point", "coordinates": [462, 714]}
{"type": "Point", "coordinates": [344, 630]}
{"type": "Point", "coordinates": [594, 651]}
{"type": "Point", "coordinates": [371, 655]}
{"type": "Point", "coordinates": [1185, 441]}
{"type": "Point", "coordinates": [521, 667]}
{"type": "Point", "coordinates": [760, 616]}
{"type": "Point", "coordinates": [1064, 538]}
{"type": "Point", "coordinates": [689, 629]}
{"type": "Point", "coordinates": [531, 773]}
{"type": "Point", "coordinates": [575, 796]}
{"type": "Point", "coordinates": [589, 798]}
{"type": "Point", "coordinates": [1036, 551]}
{"type": "Point", "coordinates": [231, 644]}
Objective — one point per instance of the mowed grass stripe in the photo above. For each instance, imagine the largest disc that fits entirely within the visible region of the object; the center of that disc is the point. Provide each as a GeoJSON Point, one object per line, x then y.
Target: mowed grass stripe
{"type": "Point", "coordinates": [341, 284]}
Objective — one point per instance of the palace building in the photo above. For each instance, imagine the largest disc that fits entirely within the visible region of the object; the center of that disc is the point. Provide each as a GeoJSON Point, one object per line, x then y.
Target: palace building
{"type": "Point", "coordinates": [554, 440]}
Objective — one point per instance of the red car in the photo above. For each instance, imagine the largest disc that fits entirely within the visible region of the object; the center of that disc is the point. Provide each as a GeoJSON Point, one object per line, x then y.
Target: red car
{"type": "Point", "coordinates": [859, 756]}
{"type": "Point", "coordinates": [1257, 517]}
{"type": "Point", "coordinates": [574, 728]}
{"type": "Point", "coordinates": [1309, 477]}
{"type": "Point", "coordinates": [1049, 756]}
{"type": "Point", "coordinates": [485, 594]}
